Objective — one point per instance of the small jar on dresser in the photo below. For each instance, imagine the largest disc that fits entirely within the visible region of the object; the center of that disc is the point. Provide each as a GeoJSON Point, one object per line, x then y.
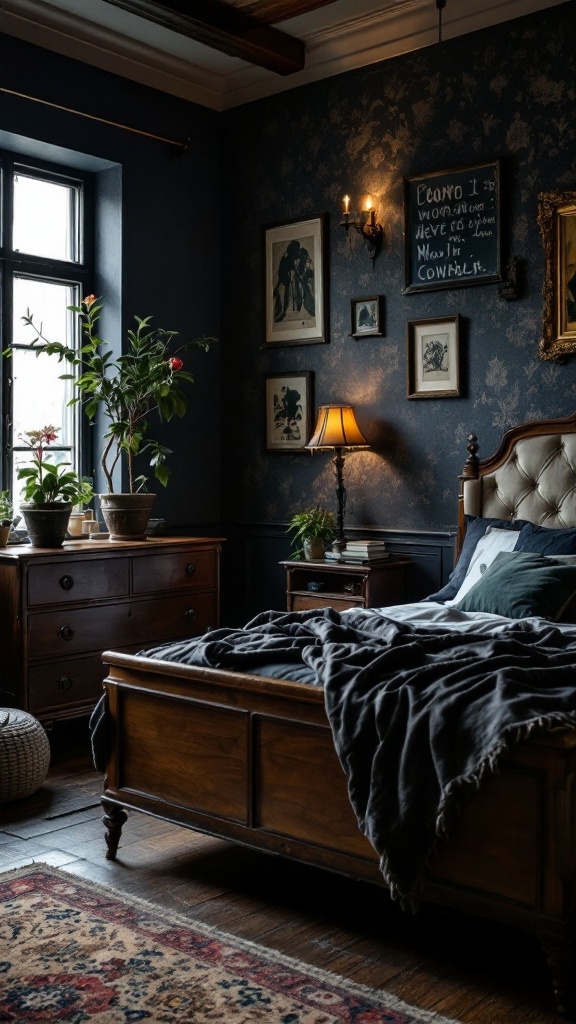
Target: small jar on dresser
{"type": "Point", "coordinates": [61, 608]}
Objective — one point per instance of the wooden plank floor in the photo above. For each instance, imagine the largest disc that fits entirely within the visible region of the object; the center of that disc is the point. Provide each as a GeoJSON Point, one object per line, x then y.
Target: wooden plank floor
{"type": "Point", "coordinates": [461, 967]}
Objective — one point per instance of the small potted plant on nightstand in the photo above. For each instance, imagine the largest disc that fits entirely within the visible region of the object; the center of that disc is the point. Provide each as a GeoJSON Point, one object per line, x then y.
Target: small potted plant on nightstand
{"type": "Point", "coordinates": [313, 529]}
{"type": "Point", "coordinates": [6, 512]}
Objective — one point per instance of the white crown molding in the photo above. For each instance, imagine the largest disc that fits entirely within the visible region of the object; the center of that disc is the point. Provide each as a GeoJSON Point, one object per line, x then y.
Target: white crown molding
{"type": "Point", "coordinates": [355, 42]}
{"type": "Point", "coordinates": [63, 33]}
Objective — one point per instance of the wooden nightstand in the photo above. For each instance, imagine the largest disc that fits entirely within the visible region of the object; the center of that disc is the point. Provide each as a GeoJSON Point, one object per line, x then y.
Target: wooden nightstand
{"type": "Point", "coordinates": [344, 585]}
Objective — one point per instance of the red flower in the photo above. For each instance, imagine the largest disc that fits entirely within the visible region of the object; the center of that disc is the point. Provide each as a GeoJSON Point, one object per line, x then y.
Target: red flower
{"type": "Point", "coordinates": [176, 363]}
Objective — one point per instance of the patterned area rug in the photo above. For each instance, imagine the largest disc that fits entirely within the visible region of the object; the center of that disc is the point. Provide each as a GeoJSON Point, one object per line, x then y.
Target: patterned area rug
{"type": "Point", "coordinates": [72, 951]}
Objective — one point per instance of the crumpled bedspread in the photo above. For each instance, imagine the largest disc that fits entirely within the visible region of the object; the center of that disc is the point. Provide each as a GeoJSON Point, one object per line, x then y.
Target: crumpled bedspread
{"type": "Point", "coordinates": [418, 716]}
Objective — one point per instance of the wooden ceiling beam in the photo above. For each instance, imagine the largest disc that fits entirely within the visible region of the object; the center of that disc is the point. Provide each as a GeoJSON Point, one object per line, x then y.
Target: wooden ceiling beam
{"type": "Point", "coordinates": [271, 11]}
{"type": "Point", "coordinates": [224, 28]}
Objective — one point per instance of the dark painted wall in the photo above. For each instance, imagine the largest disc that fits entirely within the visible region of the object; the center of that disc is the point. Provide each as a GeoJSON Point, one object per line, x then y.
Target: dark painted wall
{"type": "Point", "coordinates": [506, 93]}
{"type": "Point", "coordinates": [158, 245]}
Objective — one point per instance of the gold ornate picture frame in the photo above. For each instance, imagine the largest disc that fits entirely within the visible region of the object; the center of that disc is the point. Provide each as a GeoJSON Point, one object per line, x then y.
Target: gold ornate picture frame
{"type": "Point", "coordinates": [557, 223]}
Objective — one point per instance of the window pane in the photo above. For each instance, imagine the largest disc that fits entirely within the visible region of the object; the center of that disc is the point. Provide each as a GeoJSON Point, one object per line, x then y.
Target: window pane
{"type": "Point", "coordinates": [44, 218]}
{"type": "Point", "coordinates": [48, 303]}
{"type": "Point", "coordinates": [39, 397]}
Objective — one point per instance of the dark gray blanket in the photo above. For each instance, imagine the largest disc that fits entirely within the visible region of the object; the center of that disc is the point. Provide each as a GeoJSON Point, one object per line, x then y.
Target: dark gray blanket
{"type": "Point", "coordinates": [418, 717]}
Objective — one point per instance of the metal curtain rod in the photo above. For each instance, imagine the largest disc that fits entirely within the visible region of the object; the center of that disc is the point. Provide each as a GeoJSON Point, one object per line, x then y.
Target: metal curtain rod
{"type": "Point", "coordinates": [92, 117]}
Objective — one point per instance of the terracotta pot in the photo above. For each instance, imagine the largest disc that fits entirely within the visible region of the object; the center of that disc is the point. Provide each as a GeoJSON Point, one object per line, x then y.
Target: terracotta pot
{"type": "Point", "coordinates": [126, 515]}
{"type": "Point", "coordinates": [46, 522]}
{"type": "Point", "coordinates": [4, 534]}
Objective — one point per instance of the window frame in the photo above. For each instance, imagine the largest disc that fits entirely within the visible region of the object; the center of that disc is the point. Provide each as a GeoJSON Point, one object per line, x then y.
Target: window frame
{"type": "Point", "coordinates": [78, 272]}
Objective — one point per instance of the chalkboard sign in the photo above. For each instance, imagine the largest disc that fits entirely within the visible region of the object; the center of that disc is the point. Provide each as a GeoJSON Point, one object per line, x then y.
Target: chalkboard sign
{"type": "Point", "coordinates": [452, 224]}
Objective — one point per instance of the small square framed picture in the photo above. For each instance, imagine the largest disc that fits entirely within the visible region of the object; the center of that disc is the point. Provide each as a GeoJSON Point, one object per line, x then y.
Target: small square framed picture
{"type": "Point", "coordinates": [288, 404]}
{"type": "Point", "coordinates": [368, 317]}
{"type": "Point", "coordinates": [433, 357]}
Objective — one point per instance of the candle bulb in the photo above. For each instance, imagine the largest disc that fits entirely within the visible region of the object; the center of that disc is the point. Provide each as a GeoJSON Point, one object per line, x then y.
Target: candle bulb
{"type": "Point", "coordinates": [346, 204]}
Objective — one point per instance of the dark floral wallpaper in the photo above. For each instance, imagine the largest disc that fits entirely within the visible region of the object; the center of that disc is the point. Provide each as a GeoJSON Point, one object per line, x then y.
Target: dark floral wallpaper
{"type": "Point", "coordinates": [506, 93]}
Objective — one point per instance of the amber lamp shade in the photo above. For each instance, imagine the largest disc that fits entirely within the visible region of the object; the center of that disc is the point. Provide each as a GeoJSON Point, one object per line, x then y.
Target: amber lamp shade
{"type": "Point", "coordinates": [336, 427]}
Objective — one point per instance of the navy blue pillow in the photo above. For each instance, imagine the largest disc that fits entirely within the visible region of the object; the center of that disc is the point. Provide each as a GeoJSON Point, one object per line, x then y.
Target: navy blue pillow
{"type": "Point", "coordinates": [546, 541]}
{"type": "Point", "coordinates": [475, 529]}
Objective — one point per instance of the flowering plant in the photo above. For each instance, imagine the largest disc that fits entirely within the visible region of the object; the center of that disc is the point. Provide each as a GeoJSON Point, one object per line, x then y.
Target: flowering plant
{"type": "Point", "coordinates": [47, 481]}
{"type": "Point", "coordinates": [146, 379]}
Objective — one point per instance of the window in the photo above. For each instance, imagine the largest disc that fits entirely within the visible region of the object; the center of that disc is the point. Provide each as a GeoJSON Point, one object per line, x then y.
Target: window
{"type": "Point", "coordinates": [45, 266]}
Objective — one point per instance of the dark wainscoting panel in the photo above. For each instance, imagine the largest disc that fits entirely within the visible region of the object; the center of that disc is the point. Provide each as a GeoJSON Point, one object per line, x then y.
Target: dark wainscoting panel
{"type": "Point", "coordinates": [252, 580]}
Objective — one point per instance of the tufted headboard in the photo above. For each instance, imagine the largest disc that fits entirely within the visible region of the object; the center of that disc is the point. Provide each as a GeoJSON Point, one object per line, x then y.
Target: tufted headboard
{"type": "Point", "coordinates": [532, 476]}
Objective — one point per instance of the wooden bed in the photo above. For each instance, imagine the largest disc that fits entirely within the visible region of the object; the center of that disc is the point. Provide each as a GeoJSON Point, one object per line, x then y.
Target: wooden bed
{"type": "Point", "coordinates": [251, 759]}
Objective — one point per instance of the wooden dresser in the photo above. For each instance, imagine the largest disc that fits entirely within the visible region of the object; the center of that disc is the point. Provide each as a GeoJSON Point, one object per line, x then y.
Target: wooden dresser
{"type": "Point", "coordinates": [59, 609]}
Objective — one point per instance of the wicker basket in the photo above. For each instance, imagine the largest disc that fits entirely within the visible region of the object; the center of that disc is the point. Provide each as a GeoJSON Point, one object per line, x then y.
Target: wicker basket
{"type": "Point", "coordinates": [24, 754]}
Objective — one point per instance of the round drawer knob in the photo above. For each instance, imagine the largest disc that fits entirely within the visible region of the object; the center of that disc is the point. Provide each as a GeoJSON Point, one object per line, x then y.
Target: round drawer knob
{"type": "Point", "coordinates": [66, 632]}
{"type": "Point", "coordinates": [66, 582]}
{"type": "Point", "coordinates": [190, 615]}
{"type": "Point", "coordinates": [190, 569]}
{"type": "Point", "coordinates": [66, 683]}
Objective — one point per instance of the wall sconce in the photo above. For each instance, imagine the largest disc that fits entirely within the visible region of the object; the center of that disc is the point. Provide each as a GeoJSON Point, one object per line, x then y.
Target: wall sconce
{"type": "Point", "coordinates": [365, 224]}
{"type": "Point", "coordinates": [336, 428]}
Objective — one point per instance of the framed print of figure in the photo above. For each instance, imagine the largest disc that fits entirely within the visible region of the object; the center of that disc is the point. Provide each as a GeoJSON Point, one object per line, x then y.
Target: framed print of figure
{"type": "Point", "coordinates": [296, 283]}
{"type": "Point", "coordinates": [288, 411]}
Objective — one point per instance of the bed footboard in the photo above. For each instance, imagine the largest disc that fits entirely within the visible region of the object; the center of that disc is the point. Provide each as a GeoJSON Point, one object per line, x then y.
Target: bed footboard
{"type": "Point", "coordinates": [251, 760]}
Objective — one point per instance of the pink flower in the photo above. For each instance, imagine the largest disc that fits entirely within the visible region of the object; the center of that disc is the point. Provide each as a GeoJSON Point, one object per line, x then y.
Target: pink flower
{"type": "Point", "coordinates": [176, 363]}
{"type": "Point", "coordinates": [89, 301]}
{"type": "Point", "coordinates": [43, 436]}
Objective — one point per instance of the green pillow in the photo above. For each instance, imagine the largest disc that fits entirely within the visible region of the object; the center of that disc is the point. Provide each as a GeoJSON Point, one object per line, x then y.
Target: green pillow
{"type": "Point", "coordinates": [519, 584]}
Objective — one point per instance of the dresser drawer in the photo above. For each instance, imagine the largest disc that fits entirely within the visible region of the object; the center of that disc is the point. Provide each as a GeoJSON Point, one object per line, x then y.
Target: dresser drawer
{"type": "Point", "coordinates": [68, 631]}
{"type": "Point", "coordinates": [64, 682]}
{"type": "Point", "coordinates": [174, 570]}
{"type": "Point", "coordinates": [76, 581]}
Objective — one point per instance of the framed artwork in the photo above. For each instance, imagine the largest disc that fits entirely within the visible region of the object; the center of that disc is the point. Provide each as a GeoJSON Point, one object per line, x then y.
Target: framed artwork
{"type": "Point", "coordinates": [368, 317]}
{"type": "Point", "coordinates": [288, 405]}
{"type": "Point", "coordinates": [296, 282]}
{"type": "Point", "coordinates": [433, 357]}
{"type": "Point", "coordinates": [452, 228]}
{"type": "Point", "coordinates": [557, 223]}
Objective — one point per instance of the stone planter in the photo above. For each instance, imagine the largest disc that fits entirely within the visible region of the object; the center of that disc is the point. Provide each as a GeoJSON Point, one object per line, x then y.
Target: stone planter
{"type": "Point", "coordinates": [47, 522]}
{"type": "Point", "coordinates": [126, 515]}
{"type": "Point", "coordinates": [313, 549]}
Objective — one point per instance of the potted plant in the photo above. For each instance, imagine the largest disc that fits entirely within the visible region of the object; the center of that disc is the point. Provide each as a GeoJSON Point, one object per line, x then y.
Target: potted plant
{"type": "Point", "coordinates": [50, 490]}
{"type": "Point", "coordinates": [312, 530]}
{"type": "Point", "coordinates": [6, 512]}
{"type": "Point", "coordinates": [142, 382]}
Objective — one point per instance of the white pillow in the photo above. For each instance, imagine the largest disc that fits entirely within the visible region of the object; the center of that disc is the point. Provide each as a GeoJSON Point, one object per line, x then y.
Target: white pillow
{"type": "Point", "coordinates": [493, 541]}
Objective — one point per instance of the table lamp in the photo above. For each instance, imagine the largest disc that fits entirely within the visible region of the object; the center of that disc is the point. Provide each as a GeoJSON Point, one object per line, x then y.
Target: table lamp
{"type": "Point", "coordinates": [336, 428]}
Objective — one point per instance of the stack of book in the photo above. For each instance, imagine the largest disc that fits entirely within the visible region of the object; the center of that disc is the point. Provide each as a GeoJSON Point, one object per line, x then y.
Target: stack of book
{"type": "Point", "coordinates": [365, 550]}
{"type": "Point", "coordinates": [359, 551]}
